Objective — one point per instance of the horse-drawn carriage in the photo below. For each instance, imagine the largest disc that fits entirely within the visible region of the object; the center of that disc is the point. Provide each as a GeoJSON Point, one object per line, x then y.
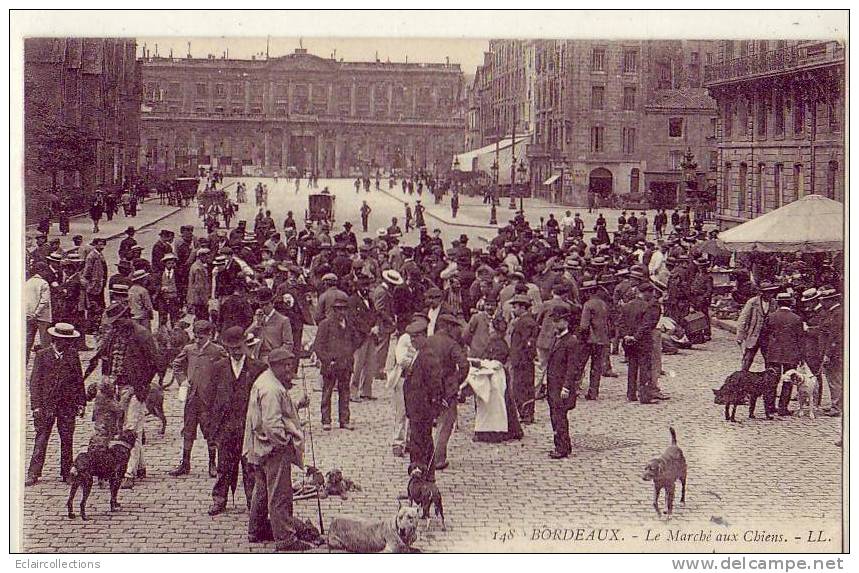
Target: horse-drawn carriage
{"type": "Point", "coordinates": [320, 207]}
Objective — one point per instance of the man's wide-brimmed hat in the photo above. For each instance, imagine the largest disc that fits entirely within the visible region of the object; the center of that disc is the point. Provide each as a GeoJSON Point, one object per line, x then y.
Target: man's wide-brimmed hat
{"type": "Point", "coordinates": [767, 286]}
{"type": "Point", "coordinates": [392, 277]}
{"type": "Point", "coordinates": [139, 275]}
{"type": "Point", "coordinates": [63, 330]}
{"type": "Point", "coordinates": [810, 294]}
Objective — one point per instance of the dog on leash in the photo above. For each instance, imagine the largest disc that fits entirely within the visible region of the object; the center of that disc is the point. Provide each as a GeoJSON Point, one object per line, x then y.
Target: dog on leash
{"type": "Point", "coordinates": [375, 536]}
{"type": "Point", "coordinates": [743, 387]}
{"type": "Point", "coordinates": [424, 493]}
{"type": "Point", "coordinates": [664, 471]}
{"type": "Point", "coordinates": [104, 463]}
{"type": "Point", "coordinates": [807, 391]}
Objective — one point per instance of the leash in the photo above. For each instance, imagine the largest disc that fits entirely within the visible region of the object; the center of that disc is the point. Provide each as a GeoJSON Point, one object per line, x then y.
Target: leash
{"type": "Point", "coordinates": [312, 449]}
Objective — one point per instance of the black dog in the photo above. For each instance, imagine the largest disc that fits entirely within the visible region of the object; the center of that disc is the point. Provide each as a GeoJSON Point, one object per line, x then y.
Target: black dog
{"type": "Point", "coordinates": [741, 386]}
{"type": "Point", "coordinates": [104, 463]}
{"type": "Point", "coordinates": [424, 493]}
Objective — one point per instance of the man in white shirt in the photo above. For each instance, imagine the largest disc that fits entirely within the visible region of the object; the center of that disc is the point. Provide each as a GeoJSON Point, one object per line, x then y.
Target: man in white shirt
{"type": "Point", "coordinates": [37, 298]}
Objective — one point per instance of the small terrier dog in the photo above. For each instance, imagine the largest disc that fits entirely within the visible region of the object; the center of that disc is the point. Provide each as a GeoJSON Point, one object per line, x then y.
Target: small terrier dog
{"type": "Point", "coordinates": [664, 471]}
{"type": "Point", "coordinates": [807, 392]}
{"type": "Point", "coordinates": [337, 484]}
{"type": "Point", "coordinates": [424, 493]}
{"type": "Point", "coordinates": [108, 463]}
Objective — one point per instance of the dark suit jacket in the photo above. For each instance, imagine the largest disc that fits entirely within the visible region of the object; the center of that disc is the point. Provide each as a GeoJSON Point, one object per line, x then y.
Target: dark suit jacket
{"type": "Point", "coordinates": [523, 341]}
{"type": "Point", "coordinates": [57, 385]}
{"type": "Point", "coordinates": [832, 334]}
{"type": "Point", "coordinates": [782, 337]}
{"type": "Point", "coordinates": [563, 361]}
{"type": "Point", "coordinates": [195, 366]}
{"type": "Point", "coordinates": [422, 387]}
{"type": "Point", "coordinates": [453, 362]}
{"type": "Point", "coordinates": [229, 405]}
{"type": "Point", "coordinates": [334, 345]}
{"type": "Point", "coordinates": [361, 316]}
{"type": "Point", "coordinates": [639, 318]}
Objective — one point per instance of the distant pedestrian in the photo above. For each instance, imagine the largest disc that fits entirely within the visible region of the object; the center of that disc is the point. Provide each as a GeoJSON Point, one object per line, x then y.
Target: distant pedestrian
{"type": "Point", "coordinates": [96, 210]}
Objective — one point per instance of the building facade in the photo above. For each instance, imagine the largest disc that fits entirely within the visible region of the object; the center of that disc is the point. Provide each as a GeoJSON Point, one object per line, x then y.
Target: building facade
{"type": "Point", "coordinates": [781, 124]}
{"type": "Point", "coordinates": [299, 111]}
{"type": "Point", "coordinates": [81, 116]}
{"type": "Point", "coordinates": [598, 112]}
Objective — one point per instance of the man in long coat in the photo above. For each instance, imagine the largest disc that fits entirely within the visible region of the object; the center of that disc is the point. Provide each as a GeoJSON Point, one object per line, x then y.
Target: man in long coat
{"type": "Point", "coordinates": [232, 378]}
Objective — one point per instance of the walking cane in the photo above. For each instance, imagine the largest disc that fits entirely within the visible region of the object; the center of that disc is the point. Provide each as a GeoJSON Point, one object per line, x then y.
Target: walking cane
{"type": "Point", "coordinates": [312, 449]}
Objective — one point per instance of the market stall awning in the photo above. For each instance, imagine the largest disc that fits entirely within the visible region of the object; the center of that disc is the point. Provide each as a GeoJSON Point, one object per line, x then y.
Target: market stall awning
{"type": "Point", "coordinates": [482, 159]}
{"type": "Point", "coordinates": [809, 225]}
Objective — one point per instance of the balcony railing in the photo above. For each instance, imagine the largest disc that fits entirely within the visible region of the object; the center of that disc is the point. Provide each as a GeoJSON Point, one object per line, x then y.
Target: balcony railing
{"type": "Point", "coordinates": [776, 61]}
{"type": "Point", "coordinates": [453, 121]}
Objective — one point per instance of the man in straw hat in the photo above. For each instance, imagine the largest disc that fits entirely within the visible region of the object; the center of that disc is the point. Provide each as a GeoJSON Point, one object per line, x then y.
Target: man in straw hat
{"type": "Point", "coordinates": [192, 369]}
{"type": "Point", "coordinates": [57, 395]}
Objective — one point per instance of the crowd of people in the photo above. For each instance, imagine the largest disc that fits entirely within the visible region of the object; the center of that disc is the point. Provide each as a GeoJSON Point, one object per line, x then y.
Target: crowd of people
{"type": "Point", "coordinates": [228, 312]}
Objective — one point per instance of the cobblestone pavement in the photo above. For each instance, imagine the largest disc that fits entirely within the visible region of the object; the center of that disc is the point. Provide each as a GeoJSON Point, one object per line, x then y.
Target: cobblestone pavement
{"type": "Point", "coordinates": [750, 479]}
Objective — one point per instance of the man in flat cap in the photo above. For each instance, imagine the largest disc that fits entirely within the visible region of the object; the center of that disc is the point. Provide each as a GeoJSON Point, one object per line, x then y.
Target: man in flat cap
{"type": "Point", "coordinates": [192, 367]}
{"type": "Point", "coordinates": [273, 442]}
{"type": "Point", "coordinates": [639, 318]}
{"type": "Point", "coordinates": [423, 394]}
{"type": "Point", "coordinates": [446, 344]}
{"type": "Point", "coordinates": [523, 349]}
{"type": "Point", "coordinates": [335, 346]}
{"type": "Point", "coordinates": [162, 246]}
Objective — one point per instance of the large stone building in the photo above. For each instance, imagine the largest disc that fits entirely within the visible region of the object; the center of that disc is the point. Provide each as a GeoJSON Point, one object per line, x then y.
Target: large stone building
{"type": "Point", "coordinates": [81, 112]}
{"type": "Point", "coordinates": [606, 117]}
{"type": "Point", "coordinates": [781, 124]}
{"type": "Point", "coordinates": [302, 111]}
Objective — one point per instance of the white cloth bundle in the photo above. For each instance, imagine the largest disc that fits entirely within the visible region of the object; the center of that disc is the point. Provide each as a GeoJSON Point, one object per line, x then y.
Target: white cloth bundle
{"type": "Point", "coordinates": [489, 383]}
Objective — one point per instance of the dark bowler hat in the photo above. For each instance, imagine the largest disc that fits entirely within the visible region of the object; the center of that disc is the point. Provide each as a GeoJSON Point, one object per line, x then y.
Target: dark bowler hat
{"type": "Point", "coordinates": [264, 295]}
{"type": "Point", "coordinates": [166, 233]}
{"type": "Point", "coordinates": [130, 230]}
{"type": "Point", "coordinates": [233, 336]}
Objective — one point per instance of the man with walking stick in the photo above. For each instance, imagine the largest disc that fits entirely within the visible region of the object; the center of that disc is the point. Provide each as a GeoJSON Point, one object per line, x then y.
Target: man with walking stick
{"type": "Point", "coordinates": [273, 441]}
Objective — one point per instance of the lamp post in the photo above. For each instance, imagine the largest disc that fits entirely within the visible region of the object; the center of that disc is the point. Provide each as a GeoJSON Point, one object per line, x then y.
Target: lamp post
{"type": "Point", "coordinates": [522, 170]}
{"type": "Point", "coordinates": [689, 167]}
{"type": "Point", "coordinates": [493, 215]}
{"type": "Point", "coordinates": [513, 182]}
{"type": "Point", "coordinates": [456, 172]}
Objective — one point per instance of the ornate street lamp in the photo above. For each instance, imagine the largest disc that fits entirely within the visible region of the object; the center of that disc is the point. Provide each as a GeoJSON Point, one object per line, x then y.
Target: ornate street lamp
{"type": "Point", "coordinates": [689, 167]}
{"type": "Point", "coordinates": [522, 170]}
{"type": "Point", "coordinates": [493, 215]}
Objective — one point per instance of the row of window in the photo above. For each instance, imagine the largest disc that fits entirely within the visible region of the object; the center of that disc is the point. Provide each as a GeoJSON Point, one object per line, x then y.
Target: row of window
{"type": "Point", "coordinates": [627, 137]}
{"type": "Point", "coordinates": [770, 113]}
{"type": "Point", "coordinates": [628, 61]}
{"type": "Point", "coordinates": [779, 185]}
{"type": "Point", "coordinates": [598, 98]}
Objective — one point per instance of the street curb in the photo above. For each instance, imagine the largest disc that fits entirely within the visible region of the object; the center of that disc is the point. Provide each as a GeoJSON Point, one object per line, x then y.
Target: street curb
{"type": "Point", "coordinates": [144, 226]}
{"type": "Point", "coordinates": [83, 215]}
{"type": "Point", "coordinates": [437, 218]}
{"type": "Point", "coordinates": [719, 323]}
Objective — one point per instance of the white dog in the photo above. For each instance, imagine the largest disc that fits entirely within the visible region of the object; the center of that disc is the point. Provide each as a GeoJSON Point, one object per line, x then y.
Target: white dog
{"type": "Point", "coordinates": [806, 391]}
{"type": "Point", "coordinates": [374, 536]}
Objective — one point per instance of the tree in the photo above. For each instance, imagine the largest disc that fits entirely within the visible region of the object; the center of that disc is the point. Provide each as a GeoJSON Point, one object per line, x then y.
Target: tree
{"type": "Point", "coordinates": [56, 147]}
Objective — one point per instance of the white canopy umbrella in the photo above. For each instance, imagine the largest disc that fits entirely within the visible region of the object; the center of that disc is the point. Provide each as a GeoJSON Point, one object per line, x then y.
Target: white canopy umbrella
{"type": "Point", "coordinates": [811, 224]}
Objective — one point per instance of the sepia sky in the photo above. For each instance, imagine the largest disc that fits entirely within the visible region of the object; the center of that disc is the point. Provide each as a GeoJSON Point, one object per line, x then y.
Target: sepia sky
{"type": "Point", "coordinates": [466, 52]}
